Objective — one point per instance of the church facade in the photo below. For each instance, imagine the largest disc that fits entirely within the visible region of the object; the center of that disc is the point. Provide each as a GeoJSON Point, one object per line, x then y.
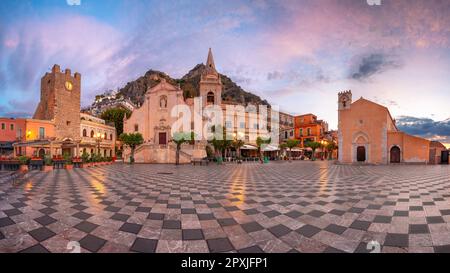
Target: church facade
{"type": "Point", "coordinates": [157, 117]}
{"type": "Point", "coordinates": [368, 134]}
{"type": "Point", "coordinates": [154, 119]}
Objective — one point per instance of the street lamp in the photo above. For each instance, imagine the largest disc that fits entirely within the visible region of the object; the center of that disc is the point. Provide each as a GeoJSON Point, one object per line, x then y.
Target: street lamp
{"type": "Point", "coordinates": [98, 139]}
{"type": "Point", "coordinates": [324, 143]}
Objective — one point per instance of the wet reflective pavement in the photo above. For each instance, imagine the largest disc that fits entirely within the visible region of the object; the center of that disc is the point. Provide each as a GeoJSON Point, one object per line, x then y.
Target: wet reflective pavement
{"type": "Point", "coordinates": [275, 207]}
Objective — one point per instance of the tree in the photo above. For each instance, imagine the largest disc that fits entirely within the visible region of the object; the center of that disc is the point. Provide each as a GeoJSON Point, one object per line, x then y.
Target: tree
{"type": "Point", "coordinates": [314, 146]}
{"type": "Point", "coordinates": [330, 148]}
{"type": "Point", "coordinates": [116, 115]}
{"type": "Point", "coordinates": [179, 138]}
{"type": "Point", "coordinates": [291, 143]}
{"type": "Point", "coordinates": [237, 144]}
{"type": "Point", "coordinates": [221, 140]}
{"type": "Point", "coordinates": [132, 140]}
{"type": "Point", "coordinates": [259, 143]}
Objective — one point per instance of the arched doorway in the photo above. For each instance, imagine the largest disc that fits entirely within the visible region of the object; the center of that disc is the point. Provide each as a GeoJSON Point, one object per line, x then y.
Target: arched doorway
{"type": "Point", "coordinates": [444, 157]}
{"type": "Point", "coordinates": [41, 153]}
{"type": "Point", "coordinates": [210, 98]}
{"type": "Point", "coordinates": [361, 154]}
{"type": "Point", "coordinates": [395, 154]}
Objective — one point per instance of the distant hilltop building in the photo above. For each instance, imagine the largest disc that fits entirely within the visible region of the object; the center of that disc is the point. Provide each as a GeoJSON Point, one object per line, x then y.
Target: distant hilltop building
{"type": "Point", "coordinates": [108, 100]}
{"type": "Point", "coordinates": [368, 134]}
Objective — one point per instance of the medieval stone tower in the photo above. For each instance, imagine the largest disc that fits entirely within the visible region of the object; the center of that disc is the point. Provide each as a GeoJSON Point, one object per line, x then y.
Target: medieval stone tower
{"type": "Point", "coordinates": [210, 83]}
{"type": "Point", "coordinates": [344, 103]}
{"type": "Point", "coordinates": [60, 102]}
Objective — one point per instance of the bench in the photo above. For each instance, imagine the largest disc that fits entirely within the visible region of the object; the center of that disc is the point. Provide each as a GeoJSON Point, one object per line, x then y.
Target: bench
{"type": "Point", "coordinates": [200, 161]}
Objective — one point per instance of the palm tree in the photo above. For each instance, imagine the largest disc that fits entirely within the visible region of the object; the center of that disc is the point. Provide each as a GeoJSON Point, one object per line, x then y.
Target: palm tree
{"type": "Point", "coordinates": [259, 142]}
{"type": "Point", "coordinates": [291, 143]}
{"type": "Point", "coordinates": [221, 142]}
{"type": "Point", "coordinates": [237, 144]}
{"type": "Point", "coordinates": [217, 144]}
{"type": "Point", "coordinates": [313, 145]}
{"type": "Point", "coordinates": [179, 138]}
{"type": "Point", "coordinates": [132, 140]}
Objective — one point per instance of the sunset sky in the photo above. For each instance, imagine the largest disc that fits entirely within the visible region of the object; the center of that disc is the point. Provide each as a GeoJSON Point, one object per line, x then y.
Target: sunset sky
{"type": "Point", "coordinates": [297, 54]}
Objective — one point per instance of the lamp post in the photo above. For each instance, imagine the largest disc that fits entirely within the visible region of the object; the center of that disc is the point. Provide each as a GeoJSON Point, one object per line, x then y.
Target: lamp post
{"type": "Point", "coordinates": [98, 139]}
{"type": "Point", "coordinates": [324, 143]}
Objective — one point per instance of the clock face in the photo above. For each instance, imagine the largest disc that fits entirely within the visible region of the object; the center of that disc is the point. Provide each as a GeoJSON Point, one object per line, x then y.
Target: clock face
{"type": "Point", "coordinates": [69, 86]}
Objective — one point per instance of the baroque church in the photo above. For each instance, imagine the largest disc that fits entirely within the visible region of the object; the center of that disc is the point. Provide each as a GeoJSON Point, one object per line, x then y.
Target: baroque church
{"type": "Point", "coordinates": [154, 120]}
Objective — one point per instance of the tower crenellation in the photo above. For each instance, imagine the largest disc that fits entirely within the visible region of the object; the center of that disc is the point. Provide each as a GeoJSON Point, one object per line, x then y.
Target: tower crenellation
{"type": "Point", "coordinates": [344, 99]}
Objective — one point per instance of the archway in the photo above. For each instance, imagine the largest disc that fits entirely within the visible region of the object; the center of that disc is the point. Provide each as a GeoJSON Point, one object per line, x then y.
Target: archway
{"type": "Point", "coordinates": [210, 98]}
{"type": "Point", "coordinates": [41, 153]}
{"type": "Point", "coordinates": [395, 154]}
{"type": "Point", "coordinates": [360, 148]}
{"type": "Point", "coordinates": [361, 154]}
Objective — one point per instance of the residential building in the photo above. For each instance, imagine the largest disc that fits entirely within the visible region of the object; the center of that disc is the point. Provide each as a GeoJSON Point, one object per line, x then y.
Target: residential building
{"type": "Point", "coordinates": [11, 131]}
{"type": "Point", "coordinates": [309, 129]}
{"type": "Point", "coordinates": [286, 126]}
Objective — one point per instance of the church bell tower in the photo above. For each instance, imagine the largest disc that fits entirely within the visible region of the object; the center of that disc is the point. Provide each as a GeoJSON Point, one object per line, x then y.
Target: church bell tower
{"type": "Point", "coordinates": [210, 83]}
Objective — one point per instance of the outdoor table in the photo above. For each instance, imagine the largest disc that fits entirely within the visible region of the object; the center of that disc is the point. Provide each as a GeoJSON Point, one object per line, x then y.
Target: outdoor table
{"type": "Point", "coordinates": [36, 164]}
{"type": "Point", "coordinates": [59, 163]}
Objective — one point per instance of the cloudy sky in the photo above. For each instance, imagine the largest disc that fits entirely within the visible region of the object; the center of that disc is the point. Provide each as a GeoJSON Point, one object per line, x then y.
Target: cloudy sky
{"type": "Point", "coordinates": [297, 54]}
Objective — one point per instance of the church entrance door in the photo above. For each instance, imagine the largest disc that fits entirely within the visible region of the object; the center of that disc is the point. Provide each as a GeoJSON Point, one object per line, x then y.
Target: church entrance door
{"type": "Point", "coordinates": [162, 138]}
{"type": "Point", "coordinates": [444, 157]}
{"type": "Point", "coordinates": [395, 154]}
{"type": "Point", "coordinates": [361, 154]}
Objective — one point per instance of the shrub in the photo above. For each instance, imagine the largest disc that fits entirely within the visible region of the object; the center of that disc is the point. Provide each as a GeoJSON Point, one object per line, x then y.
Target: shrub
{"type": "Point", "coordinates": [48, 160]}
{"type": "Point", "coordinates": [85, 157]}
{"type": "Point", "coordinates": [24, 160]}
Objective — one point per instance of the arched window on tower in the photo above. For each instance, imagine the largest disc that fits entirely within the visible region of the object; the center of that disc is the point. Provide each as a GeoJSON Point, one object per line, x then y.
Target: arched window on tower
{"type": "Point", "coordinates": [84, 133]}
{"type": "Point", "coordinates": [210, 98]}
{"type": "Point", "coordinates": [92, 133]}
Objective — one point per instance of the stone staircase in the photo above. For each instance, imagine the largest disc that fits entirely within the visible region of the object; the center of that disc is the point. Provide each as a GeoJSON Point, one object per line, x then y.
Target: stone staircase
{"type": "Point", "coordinates": [155, 153]}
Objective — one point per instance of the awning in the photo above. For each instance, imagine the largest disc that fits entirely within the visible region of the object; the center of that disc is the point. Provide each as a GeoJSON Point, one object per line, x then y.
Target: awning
{"type": "Point", "coordinates": [6, 145]}
{"type": "Point", "coordinates": [270, 148]}
{"type": "Point", "coordinates": [296, 149]}
{"type": "Point", "coordinates": [248, 147]}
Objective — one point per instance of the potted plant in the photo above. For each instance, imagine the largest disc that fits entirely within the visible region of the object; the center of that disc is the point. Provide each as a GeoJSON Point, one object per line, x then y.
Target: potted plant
{"type": "Point", "coordinates": [24, 160]}
{"type": "Point", "coordinates": [85, 159]}
{"type": "Point", "coordinates": [68, 162]}
{"type": "Point", "coordinates": [69, 165]}
{"type": "Point", "coordinates": [48, 164]}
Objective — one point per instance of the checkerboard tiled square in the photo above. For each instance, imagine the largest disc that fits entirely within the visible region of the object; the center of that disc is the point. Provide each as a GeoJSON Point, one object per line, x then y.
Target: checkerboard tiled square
{"type": "Point", "coordinates": [275, 207]}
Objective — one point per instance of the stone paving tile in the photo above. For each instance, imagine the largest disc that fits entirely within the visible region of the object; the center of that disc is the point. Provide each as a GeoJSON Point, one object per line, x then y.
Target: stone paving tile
{"type": "Point", "coordinates": [275, 207]}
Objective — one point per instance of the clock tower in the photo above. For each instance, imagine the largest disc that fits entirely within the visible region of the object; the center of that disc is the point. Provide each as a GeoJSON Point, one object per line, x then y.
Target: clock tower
{"type": "Point", "coordinates": [60, 102]}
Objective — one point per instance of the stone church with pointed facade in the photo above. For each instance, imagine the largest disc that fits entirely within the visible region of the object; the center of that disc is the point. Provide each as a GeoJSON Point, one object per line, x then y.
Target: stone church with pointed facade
{"type": "Point", "coordinates": [154, 121]}
{"type": "Point", "coordinates": [368, 134]}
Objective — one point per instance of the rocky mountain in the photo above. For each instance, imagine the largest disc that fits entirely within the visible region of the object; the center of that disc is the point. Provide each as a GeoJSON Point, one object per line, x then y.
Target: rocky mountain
{"type": "Point", "coordinates": [189, 83]}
